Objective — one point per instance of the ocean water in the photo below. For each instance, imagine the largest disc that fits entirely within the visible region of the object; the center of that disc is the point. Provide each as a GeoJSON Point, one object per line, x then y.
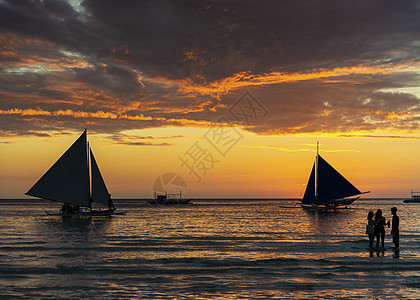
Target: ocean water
{"type": "Point", "coordinates": [224, 249]}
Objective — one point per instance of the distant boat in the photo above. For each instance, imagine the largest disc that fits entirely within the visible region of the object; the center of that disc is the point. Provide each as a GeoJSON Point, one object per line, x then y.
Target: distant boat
{"type": "Point", "coordinates": [167, 199]}
{"type": "Point", "coordinates": [327, 188]}
{"type": "Point", "coordinates": [68, 182]}
{"type": "Point", "coordinates": [415, 198]}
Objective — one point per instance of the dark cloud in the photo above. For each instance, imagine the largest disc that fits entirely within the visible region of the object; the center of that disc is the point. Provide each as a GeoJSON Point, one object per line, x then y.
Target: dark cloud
{"type": "Point", "coordinates": [130, 60]}
{"type": "Point", "coordinates": [130, 140]}
{"type": "Point", "coordinates": [141, 143]}
{"type": "Point", "coordinates": [117, 79]}
{"type": "Point", "coordinates": [215, 39]}
{"type": "Point", "coordinates": [365, 103]}
{"type": "Point", "coordinates": [380, 136]}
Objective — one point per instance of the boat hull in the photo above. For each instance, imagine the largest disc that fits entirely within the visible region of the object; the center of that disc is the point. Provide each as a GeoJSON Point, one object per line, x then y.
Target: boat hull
{"type": "Point", "coordinates": [91, 213]}
{"type": "Point", "coordinates": [345, 201]}
{"type": "Point", "coordinates": [322, 207]}
{"type": "Point", "coordinates": [411, 201]}
{"type": "Point", "coordinates": [332, 205]}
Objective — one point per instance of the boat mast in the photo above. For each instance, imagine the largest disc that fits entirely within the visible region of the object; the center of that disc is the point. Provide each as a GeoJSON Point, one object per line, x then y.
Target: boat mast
{"type": "Point", "coordinates": [89, 172]}
{"type": "Point", "coordinates": [316, 171]}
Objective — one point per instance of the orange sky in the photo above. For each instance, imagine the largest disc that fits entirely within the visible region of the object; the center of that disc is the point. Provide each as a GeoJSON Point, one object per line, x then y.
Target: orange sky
{"type": "Point", "coordinates": [153, 83]}
{"type": "Point", "coordinates": [257, 166]}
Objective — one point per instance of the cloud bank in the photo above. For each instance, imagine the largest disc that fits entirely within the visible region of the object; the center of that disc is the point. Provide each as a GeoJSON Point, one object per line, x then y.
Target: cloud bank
{"type": "Point", "coordinates": [324, 66]}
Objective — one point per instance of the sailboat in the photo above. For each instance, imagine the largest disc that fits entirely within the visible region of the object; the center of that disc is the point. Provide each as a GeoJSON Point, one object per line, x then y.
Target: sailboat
{"type": "Point", "coordinates": [68, 182]}
{"type": "Point", "coordinates": [327, 188]}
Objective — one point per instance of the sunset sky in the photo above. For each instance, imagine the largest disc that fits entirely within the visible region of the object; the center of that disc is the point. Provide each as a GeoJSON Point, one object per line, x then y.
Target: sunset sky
{"type": "Point", "coordinates": [251, 86]}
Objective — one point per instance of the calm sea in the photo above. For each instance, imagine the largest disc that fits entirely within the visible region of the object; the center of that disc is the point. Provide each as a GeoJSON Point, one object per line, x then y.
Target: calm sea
{"type": "Point", "coordinates": [224, 249]}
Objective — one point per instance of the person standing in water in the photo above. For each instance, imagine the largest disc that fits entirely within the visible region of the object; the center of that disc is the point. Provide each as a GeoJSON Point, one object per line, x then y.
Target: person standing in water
{"type": "Point", "coordinates": [395, 230]}
{"type": "Point", "coordinates": [370, 231]}
{"type": "Point", "coordinates": [110, 203]}
{"type": "Point", "coordinates": [380, 223]}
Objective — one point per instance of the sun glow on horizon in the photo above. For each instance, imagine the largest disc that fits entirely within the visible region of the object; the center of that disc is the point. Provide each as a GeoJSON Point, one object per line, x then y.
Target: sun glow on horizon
{"type": "Point", "coordinates": [262, 166]}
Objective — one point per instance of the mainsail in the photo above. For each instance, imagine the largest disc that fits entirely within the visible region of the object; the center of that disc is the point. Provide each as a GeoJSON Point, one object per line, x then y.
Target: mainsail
{"type": "Point", "coordinates": [67, 181]}
{"type": "Point", "coordinates": [99, 191]}
{"type": "Point", "coordinates": [325, 184]}
{"type": "Point", "coordinates": [331, 184]}
{"type": "Point", "coordinates": [309, 196]}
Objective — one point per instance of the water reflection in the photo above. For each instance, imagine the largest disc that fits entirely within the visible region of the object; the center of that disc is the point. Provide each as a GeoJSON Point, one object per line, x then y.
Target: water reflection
{"type": "Point", "coordinates": [81, 236]}
{"type": "Point", "coordinates": [73, 226]}
{"type": "Point", "coordinates": [377, 252]}
{"type": "Point", "coordinates": [380, 252]}
{"type": "Point", "coordinates": [246, 250]}
{"type": "Point", "coordinates": [396, 253]}
{"type": "Point", "coordinates": [327, 222]}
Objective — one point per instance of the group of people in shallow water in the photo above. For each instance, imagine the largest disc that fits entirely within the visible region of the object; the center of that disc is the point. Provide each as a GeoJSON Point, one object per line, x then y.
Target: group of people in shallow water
{"type": "Point", "coordinates": [376, 227]}
{"type": "Point", "coordinates": [69, 209]}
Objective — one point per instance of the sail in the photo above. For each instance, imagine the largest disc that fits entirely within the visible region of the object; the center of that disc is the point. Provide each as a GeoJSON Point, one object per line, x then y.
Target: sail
{"type": "Point", "coordinates": [67, 180]}
{"type": "Point", "coordinates": [99, 191]}
{"type": "Point", "coordinates": [331, 184]}
{"type": "Point", "coordinates": [309, 196]}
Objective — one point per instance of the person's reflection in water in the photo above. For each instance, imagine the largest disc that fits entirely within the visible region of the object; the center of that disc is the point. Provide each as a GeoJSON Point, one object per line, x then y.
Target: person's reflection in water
{"type": "Point", "coordinates": [380, 253]}
{"type": "Point", "coordinates": [376, 252]}
{"type": "Point", "coordinates": [396, 253]}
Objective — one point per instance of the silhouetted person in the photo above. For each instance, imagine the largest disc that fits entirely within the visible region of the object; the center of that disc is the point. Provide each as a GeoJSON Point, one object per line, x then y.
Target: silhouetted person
{"type": "Point", "coordinates": [63, 209]}
{"type": "Point", "coordinates": [395, 230]}
{"type": "Point", "coordinates": [370, 231]}
{"type": "Point", "coordinates": [110, 203]}
{"type": "Point", "coordinates": [380, 227]}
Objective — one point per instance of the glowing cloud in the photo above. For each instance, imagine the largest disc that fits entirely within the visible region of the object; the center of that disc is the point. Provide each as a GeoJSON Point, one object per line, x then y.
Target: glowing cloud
{"type": "Point", "coordinates": [246, 79]}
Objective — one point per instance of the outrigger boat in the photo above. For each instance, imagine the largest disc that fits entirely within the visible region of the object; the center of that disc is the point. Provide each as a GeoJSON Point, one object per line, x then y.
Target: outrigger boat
{"type": "Point", "coordinates": [167, 199]}
{"type": "Point", "coordinates": [68, 181]}
{"type": "Point", "coordinates": [327, 189]}
{"type": "Point", "coordinates": [415, 198]}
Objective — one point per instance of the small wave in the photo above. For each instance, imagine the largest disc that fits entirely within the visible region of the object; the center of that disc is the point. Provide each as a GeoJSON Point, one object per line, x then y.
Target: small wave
{"type": "Point", "coordinates": [233, 262]}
